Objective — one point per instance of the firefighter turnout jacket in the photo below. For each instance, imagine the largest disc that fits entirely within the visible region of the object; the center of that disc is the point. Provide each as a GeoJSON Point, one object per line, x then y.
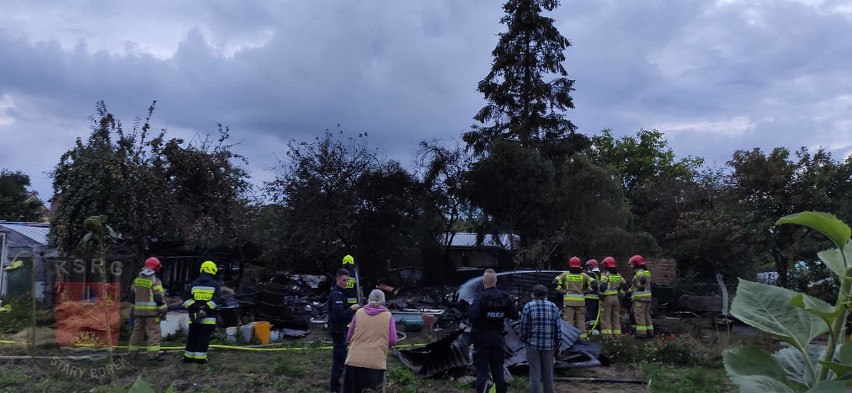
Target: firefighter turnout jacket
{"type": "Point", "coordinates": [641, 285]}
{"type": "Point", "coordinates": [202, 300]}
{"type": "Point", "coordinates": [573, 287]}
{"type": "Point", "coordinates": [148, 296]}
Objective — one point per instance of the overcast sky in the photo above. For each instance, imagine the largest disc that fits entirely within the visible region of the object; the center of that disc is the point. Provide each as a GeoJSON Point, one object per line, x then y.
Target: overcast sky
{"type": "Point", "coordinates": [714, 76]}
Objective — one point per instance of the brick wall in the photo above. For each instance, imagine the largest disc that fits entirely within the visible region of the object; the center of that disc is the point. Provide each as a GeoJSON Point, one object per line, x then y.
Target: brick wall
{"type": "Point", "coordinates": [663, 271]}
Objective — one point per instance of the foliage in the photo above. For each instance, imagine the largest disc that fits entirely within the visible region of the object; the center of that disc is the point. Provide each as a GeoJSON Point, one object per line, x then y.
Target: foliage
{"type": "Point", "coordinates": [335, 197]}
{"type": "Point", "coordinates": [18, 316]}
{"type": "Point", "coordinates": [658, 186]}
{"type": "Point", "coordinates": [153, 189]}
{"type": "Point", "coordinates": [442, 175]}
{"type": "Point", "coordinates": [671, 349]}
{"type": "Point", "coordinates": [16, 202]}
{"type": "Point", "coordinates": [513, 187]}
{"type": "Point", "coordinates": [522, 106]}
{"type": "Point", "coordinates": [142, 386]}
{"type": "Point", "coordinates": [797, 319]}
{"type": "Point", "coordinates": [666, 378]}
{"type": "Point", "coordinates": [763, 187]}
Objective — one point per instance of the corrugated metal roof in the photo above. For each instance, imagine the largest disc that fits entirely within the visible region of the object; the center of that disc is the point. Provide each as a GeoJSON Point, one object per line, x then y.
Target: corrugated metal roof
{"type": "Point", "coordinates": [36, 233]}
{"type": "Point", "coordinates": [468, 239]}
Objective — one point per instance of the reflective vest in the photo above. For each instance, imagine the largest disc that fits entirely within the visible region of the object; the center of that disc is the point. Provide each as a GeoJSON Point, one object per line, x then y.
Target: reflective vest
{"type": "Point", "coordinates": [641, 292]}
{"type": "Point", "coordinates": [572, 286]}
{"type": "Point", "coordinates": [613, 282]}
{"type": "Point", "coordinates": [148, 296]}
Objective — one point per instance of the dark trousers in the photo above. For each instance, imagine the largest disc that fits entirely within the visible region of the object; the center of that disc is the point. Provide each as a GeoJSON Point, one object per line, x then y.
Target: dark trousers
{"type": "Point", "coordinates": [358, 379]}
{"type": "Point", "coordinates": [338, 358]}
{"type": "Point", "coordinates": [488, 357]}
{"type": "Point", "coordinates": [198, 341]}
{"type": "Point", "coordinates": [592, 307]}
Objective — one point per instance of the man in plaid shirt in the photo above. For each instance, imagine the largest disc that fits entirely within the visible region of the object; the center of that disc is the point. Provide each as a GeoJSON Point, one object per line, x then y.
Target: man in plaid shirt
{"type": "Point", "coordinates": [540, 331]}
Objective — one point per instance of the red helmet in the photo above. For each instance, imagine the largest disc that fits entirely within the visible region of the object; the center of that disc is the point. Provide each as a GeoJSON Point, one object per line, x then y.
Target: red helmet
{"type": "Point", "coordinates": [153, 264]}
{"type": "Point", "coordinates": [637, 260]}
{"type": "Point", "coordinates": [608, 262]}
{"type": "Point", "coordinates": [592, 263]}
{"type": "Point", "coordinates": [574, 262]}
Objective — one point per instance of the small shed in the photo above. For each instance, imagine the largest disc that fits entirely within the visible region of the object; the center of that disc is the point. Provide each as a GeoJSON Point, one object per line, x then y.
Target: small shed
{"type": "Point", "coordinates": [464, 249]}
{"type": "Point", "coordinates": [27, 241]}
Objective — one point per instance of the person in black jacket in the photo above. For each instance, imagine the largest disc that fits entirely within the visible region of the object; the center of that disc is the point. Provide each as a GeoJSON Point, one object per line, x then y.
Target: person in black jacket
{"type": "Point", "coordinates": [486, 316]}
{"type": "Point", "coordinates": [340, 313]}
{"type": "Point", "coordinates": [201, 302]}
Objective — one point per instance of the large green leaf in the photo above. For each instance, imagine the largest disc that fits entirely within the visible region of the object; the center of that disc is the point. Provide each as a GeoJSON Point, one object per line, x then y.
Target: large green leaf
{"type": "Point", "coordinates": [755, 370]}
{"type": "Point", "coordinates": [140, 386]}
{"type": "Point", "coordinates": [768, 308]}
{"type": "Point", "coordinates": [842, 366]}
{"type": "Point", "coordinates": [816, 306]}
{"type": "Point", "coordinates": [824, 223]}
{"type": "Point", "coordinates": [828, 386]}
{"type": "Point", "coordinates": [794, 363]}
{"type": "Point", "coordinates": [834, 259]}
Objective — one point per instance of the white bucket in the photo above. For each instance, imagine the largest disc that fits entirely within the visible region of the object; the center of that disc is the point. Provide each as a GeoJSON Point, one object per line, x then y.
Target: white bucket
{"type": "Point", "coordinates": [231, 334]}
{"type": "Point", "coordinates": [274, 336]}
{"type": "Point", "coordinates": [247, 333]}
{"type": "Point", "coordinates": [175, 322]}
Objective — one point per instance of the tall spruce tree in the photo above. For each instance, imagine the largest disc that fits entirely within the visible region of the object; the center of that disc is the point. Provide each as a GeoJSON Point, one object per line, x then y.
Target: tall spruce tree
{"type": "Point", "coordinates": [522, 106]}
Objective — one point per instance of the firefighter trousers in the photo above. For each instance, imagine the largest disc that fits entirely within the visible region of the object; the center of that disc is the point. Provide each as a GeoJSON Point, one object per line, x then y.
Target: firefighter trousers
{"type": "Point", "coordinates": [610, 315]}
{"type": "Point", "coordinates": [197, 342]}
{"type": "Point", "coordinates": [642, 314]}
{"type": "Point", "coordinates": [576, 316]}
{"type": "Point", "coordinates": [149, 325]}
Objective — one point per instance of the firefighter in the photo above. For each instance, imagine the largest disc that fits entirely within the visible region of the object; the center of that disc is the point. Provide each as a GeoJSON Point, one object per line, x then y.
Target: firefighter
{"type": "Point", "coordinates": [592, 299]}
{"type": "Point", "coordinates": [201, 302]}
{"type": "Point", "coordinates": [351, 290]}
{"type": "Point", "coordinates": [148, 308]}
{"type": "Point", "coordinates": [640, 290]}
{"type": "Point", "coordinates": [612, 287]}
{"type": "Point", "coordinates": [572, 285]}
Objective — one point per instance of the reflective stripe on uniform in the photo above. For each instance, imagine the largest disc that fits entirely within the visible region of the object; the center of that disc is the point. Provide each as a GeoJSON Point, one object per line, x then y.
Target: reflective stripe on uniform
{"type": "Point", "coordinates": [203, 293]}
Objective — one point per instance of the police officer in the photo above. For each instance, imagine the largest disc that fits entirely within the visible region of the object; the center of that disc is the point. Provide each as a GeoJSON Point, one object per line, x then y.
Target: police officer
{"type": "Point", "coordinates": [340, 313]}
{"type": "Point", "coordinates": [486, 316]}
{"type": "Point", "coordinates": [201, 302]}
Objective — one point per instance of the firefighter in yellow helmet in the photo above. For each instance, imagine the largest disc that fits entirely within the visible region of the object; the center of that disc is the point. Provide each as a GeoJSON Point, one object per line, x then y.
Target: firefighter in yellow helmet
{"type": "Point", "coordinates": [640, 290]}
{"type": "Point", "coordinates": [148, 308]}
{"type": "Point", "coordinates": [351, 290]}
{"type": "Point", "coordinates": [573, 285]}
{"type": "Point", "coordinates": [201, 302]}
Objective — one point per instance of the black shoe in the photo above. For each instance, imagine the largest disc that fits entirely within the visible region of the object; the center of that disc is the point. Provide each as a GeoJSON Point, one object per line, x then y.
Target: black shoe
{"type": "Point", "coordinates": [158, 358]}
{"type": "Point", "coordinates": [187, 360]}
{"type": "Point", "coordinates": [201, 361]}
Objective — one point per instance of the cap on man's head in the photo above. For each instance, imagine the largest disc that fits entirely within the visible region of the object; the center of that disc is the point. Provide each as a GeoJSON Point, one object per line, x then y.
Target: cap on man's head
{"type": "Point", "coordinates": [539, 291]}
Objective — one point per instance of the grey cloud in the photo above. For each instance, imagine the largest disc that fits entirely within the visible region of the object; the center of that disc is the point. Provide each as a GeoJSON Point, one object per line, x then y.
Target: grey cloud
{"type": "Point", "coordinates": [407, 71]}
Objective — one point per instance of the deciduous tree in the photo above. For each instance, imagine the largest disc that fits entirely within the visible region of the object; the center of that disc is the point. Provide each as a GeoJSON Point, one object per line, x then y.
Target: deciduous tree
{"type": "Point", "coordinates": [17, 203]}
